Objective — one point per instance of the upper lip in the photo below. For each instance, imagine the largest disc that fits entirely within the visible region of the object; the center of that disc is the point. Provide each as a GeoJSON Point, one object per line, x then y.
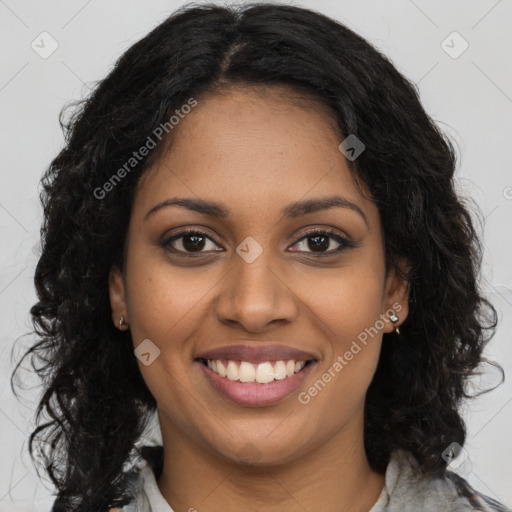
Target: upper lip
{"type": "Point", "coordinates": [257, 353]}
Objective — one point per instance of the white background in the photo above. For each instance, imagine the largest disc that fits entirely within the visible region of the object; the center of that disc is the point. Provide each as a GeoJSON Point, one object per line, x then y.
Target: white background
{"type": "Point", "coordinates": [470, 96]}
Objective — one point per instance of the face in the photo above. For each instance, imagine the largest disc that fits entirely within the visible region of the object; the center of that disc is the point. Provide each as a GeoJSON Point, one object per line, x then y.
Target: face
{"type": "Point", "coordinates": [265, 310]}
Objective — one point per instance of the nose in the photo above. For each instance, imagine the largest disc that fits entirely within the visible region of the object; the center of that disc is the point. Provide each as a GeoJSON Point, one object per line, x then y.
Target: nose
{"type": "Point", "coordinates": [254, 295]}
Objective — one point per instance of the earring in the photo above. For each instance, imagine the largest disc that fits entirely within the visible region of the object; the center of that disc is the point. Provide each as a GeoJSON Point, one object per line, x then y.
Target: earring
{"type": "Point", "coordinates": [122, 322]}
{"type": "Point", "coordinates": [394, 319]}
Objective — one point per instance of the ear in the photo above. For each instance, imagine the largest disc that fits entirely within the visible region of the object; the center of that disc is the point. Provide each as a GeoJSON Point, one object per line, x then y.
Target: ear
{"type": "Point", "coordinates": [116, 288]}
{"type": "Point", "coordinates": [396, 296]}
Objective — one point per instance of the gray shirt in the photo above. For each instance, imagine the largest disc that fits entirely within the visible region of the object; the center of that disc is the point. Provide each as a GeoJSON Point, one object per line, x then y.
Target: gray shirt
{"type": "Point", "coordinates": [405, 490]}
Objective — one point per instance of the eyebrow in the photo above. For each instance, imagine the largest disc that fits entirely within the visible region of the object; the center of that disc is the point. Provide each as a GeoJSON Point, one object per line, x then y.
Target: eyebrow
{"type": "Point", "coordinates": [293, 210]}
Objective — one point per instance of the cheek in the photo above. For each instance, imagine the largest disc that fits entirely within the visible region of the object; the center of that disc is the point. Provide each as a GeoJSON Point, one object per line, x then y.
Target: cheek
{"type": "Point", "coordinates": [347, 305]}
{"type": "Point", "coordinates": [166, 304]}
{"type": "Point", "coordinates": [163, 306]}
{"type": "Point", "coordinates": [163, 301]}
{"type": "Point", "coordinates": [347, 302]}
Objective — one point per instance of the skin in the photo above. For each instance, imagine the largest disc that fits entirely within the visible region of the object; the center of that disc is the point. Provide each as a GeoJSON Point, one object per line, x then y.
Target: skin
{"type": "Point", "coordinates": [256, 151]}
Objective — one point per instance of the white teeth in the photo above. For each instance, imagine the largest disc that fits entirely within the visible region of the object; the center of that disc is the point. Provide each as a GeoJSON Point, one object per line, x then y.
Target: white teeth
{"type": "Point", "coordinates": [299, 365]}
{"type": "Point", "coordinates": [262, 373]}
{"type": "Point", "coordinates": [246, 372]}
{"type": "Point", "coordinates": [232, 371]}
{"type": "Point", "coordinates": [221, 369]}
{"type": "Point", "coordinates": [280, 370]}
{"type": "Point", "coordinates": [290, 368]}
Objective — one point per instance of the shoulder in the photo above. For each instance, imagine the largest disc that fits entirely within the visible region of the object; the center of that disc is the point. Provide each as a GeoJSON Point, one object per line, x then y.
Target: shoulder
{"type": "Point", "coordinates": [406, 486]}
{"type": "Point", "coordinates": [146, 468]}
{"type": "Point", "coordinates": [476, 499]}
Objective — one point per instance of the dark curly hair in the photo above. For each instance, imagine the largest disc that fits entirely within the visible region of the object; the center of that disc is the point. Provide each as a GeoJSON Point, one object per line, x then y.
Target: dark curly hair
{"type": "Point", "coordinates": [96, 402]}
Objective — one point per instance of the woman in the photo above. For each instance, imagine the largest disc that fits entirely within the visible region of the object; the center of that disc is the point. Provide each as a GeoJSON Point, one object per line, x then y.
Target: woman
{"type": "Point", "coordinates": [253, 231]}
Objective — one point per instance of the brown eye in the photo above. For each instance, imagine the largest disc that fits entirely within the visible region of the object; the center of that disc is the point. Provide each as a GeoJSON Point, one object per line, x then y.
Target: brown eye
{"type": "Point", "coordinates": [190, 241]}
{"type": "Point", "coordinates": [321, 242]}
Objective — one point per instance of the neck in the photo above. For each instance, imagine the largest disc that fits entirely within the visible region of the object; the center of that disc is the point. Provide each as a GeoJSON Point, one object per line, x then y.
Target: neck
{"type": "Point", "coordinates": [335, 477]}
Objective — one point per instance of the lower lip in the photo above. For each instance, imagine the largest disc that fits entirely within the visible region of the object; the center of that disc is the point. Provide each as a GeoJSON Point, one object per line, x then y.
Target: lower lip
{"type": "Point", "coordinates": [254, 394]}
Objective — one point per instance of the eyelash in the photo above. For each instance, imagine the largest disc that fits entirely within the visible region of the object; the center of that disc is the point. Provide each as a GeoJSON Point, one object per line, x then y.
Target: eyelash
{"type": "Point", "coordinates": [344, 242]}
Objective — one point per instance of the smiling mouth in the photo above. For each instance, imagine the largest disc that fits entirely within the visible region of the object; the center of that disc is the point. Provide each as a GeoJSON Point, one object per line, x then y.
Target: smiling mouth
{"type": "Point", "coordinates": [262, 373]}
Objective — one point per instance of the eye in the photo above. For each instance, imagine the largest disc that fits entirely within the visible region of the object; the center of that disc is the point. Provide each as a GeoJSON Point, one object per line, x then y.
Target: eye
{"type": "Point", "coordinates": [320, 241]}
{"type": "Point", "coordinates": [195, 242]}
{"type": "Point", "coordinates": [189, 242]}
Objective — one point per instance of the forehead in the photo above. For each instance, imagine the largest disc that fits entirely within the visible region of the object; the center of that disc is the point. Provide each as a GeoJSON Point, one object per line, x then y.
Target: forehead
{"type": "Point", "coordinates": [252, 148]}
